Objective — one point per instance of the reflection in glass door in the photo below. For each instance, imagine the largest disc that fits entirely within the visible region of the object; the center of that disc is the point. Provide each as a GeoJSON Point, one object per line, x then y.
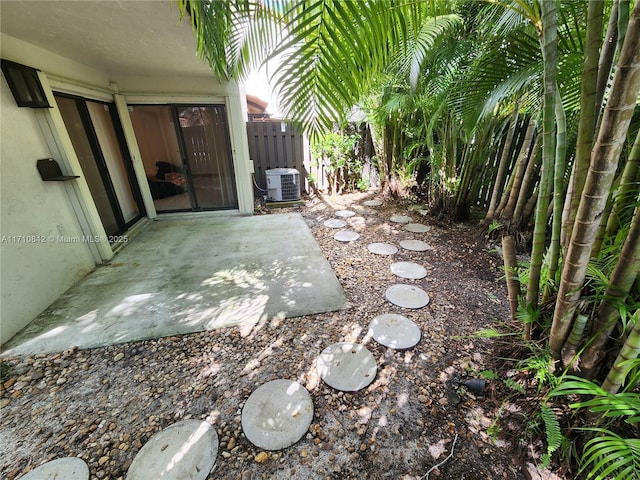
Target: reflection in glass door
{"type": "Point", "coordinates": [109, 174]}
{"type": "Point", "coordinates": [205, 138]}
{"type": "Point", "coordinates": [187, 156]}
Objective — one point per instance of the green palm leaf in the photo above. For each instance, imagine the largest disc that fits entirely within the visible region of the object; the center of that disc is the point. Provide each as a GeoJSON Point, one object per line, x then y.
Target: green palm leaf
{"type": "Point", "coordinates": [611, 456]}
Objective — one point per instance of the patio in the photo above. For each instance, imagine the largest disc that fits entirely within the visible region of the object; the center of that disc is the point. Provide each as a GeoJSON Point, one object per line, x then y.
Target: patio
{"type": "Point", "coordinates": [190, 274]}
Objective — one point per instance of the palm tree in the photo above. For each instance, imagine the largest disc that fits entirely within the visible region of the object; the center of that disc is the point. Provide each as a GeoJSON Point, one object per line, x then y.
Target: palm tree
{"type": "Point", "coordinates": [603, 163]}
{"type": "Point", "coordinates": [330, 51]}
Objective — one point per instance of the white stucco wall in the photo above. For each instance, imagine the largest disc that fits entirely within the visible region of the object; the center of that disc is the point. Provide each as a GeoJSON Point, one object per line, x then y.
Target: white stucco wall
{"type": "Point", "coordinates": [32, 274]}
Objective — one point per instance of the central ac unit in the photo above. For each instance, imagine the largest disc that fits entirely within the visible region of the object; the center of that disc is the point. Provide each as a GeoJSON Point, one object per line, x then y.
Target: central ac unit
{"type": "Point", "coordinates": [283, 184]}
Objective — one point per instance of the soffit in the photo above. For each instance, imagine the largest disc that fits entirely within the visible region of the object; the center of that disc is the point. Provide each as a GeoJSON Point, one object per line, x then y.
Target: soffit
{"type": "Point", "coordinates": [119, 38]}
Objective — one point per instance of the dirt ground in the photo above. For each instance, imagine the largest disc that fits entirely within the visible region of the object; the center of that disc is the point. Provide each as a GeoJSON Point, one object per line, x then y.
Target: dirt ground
{"type": "Point", "coordinates": [415, 421]}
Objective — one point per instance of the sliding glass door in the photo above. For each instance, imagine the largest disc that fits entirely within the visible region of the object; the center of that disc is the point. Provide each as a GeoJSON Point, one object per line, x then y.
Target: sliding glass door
{"type": "Point", "coordinates": [96, 136]}
{"type": "Point", "coordinates": [187, 156]}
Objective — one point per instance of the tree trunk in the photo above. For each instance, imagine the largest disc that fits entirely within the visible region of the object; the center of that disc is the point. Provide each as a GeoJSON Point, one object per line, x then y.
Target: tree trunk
{"type": "Point", "coordinates": [528, 181]}
{"type": "Point", "coordinates": [622, 279]}
{"type": "Point", "coordinates": [518, 175]}
{"type": "Point", "coordinates": [604, 160]}
{"type": "Point", "coordinates": [549, 43]}
{"type": "Point", "coordinates": [607, 55]}
{"type": "Point", "coordinates": [629, 351]}
{"type": "Point", "coordinates": [504, 164]}
{"type": "Point", "coordinates": [588, 113]}
{"type": "Point", "coordinates": [558, 189]}
{"type": "Point", "coordinates": [530, 206]}
{"type": "Point", "coordinates": [628, 186]}
{"type": "Point", "coordinates": [511, 274]}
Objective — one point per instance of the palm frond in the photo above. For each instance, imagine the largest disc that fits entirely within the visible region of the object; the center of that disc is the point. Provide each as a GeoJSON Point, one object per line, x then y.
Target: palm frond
{"type": "Point", "coordinates": [608, 404]}
{"type": "Point", "coordinates": [611, 456]}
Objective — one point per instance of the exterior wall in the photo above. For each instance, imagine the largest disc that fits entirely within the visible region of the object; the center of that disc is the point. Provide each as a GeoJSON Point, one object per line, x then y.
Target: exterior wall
{"type": "Point", "coordinates": [32, 274]}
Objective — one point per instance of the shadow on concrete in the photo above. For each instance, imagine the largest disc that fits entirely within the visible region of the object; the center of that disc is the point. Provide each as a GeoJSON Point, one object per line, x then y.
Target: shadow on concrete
{"type": "Point", "coordinates": [185, 275]}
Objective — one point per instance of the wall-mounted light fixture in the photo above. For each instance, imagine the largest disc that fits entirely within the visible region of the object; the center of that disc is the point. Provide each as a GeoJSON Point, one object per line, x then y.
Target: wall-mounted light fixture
{"type": "Point", "coordinates": [25, 85]}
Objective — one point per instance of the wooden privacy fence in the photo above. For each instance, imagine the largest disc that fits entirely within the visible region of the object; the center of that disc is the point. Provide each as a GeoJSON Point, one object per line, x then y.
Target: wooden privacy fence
{"type": "Point", "coordinates": [275, 144]}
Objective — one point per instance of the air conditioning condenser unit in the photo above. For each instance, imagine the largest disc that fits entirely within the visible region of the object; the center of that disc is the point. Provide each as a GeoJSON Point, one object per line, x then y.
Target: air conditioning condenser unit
{"type": "Point", "coordinates": [283, 184]}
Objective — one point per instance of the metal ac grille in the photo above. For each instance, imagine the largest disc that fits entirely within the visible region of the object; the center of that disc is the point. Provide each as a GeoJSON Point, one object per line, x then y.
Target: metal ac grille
{"type": "Point", "coordinates": [290, 185]}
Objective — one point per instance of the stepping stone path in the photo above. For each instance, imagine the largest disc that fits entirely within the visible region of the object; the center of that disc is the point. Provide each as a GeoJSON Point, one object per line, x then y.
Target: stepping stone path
{"type": "Point", "coordinates": [277, 414]}
{"type": "Point", "coordinates": [382, 248]}
{"type": "Point", "coordinates": [400, 219]}
{"type": "Point", "coordinates": [344, 213]}
{"type": "Point", "coordinates": [67, 468]}
{"type": "Point", "coordinates": [346, 236]}
{"type": "Point", "coordinates": [335, 223]}
{"type": "Point", "coordinates": [184, 450]}
{"type": "Point", "coordinates": [409, 270]}
{"type": "Point", "coordinates": [415, 245]}
{"type": "Point", "coordinates": [407, 296]}
{"type": "Point", "coordinates": [394, 331]}
{"type": "Point", "coordinates": [416, 228]}
{"type": "Point", "coordinates": [347, 366]}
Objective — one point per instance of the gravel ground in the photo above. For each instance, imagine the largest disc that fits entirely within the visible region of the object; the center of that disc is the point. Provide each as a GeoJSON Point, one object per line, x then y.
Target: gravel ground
{"type": "Point", "coordinates": [103, 404]}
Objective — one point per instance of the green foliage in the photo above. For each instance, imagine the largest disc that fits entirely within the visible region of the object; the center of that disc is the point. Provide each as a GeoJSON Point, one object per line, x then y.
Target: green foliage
{"type": "Point", "coordinates": [489, 374]}
{"type": "Point", "coordinates": [513, 385]}
{"type": "Point", "coordinates": [336, 151]}
{"type": "Point", "coordinates": [541, 365]}
{"type": "Point", "coordinates": [609, 456]}
{"type": "Point", "coordinates": [552, 429]}
{"type": "Point", "coordinates": [493, 226]}
{"type": "Point", "coordinates": [608, 405]}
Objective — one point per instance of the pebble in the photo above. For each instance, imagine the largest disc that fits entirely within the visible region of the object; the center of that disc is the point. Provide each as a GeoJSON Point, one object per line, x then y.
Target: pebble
{"type": "Point", "coordinates": [107, 409]}
{"type": "Point", "coordinates": [261, 457]}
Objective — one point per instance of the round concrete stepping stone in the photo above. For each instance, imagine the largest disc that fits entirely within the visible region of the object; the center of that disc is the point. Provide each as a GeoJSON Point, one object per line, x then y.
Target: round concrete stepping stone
{"type": "Point", "coordinates": [409, 270]}
{"type": "Point", "coordinates": [346, 236]}
{"type": "Point", "coordinates": [277, 414]}
{"type": "Point", "coordinates": [415, 245]}
{"type": "Point", "coordinates": [407, 296]}
{"type": "Point", "coordinates": [68, 468]}
{"type": "Point", "coordinates": [335, 223]}
{"type": "Point", "coordinates": [183, 450]}
{"type": "Point", "coordinates": [372, 203]}
{"type": "Point", "coordinates": [344, 213]}
{"type": "Point", "coordinates": [347, 366]}
{"type": "Point", "coordinates": [394, 331]}
{"type": "Point", "coordinates": [416, 227]}
{"type": "Point", "coordinates": [400, 219]}
{"type": "Point", "coordinates": [368, 211]}
{"type": "Point", "coordinates": [382, 248]}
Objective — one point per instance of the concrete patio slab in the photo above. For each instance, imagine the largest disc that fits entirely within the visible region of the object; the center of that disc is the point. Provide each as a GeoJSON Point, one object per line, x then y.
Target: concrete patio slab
{"type": "Point", "coordinates": [191, 274]}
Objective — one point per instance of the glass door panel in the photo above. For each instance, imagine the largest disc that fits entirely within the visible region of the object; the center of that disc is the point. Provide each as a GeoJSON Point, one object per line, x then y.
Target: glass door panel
{"type": "Point", "coordinates": [186, 155]}
{"type": "Point", "coordinates": [206, 142]}
{"type": "Point", "coordinates": [90, 169]}
{"type": "Point", "coordinates": [108, 140]}
{"type": "Point", "coordinates": [160, 150]}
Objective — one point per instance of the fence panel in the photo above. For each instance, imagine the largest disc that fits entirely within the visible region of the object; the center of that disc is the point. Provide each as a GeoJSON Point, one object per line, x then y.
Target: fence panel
{"type": "Point", "coordinates": [274, 144]}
